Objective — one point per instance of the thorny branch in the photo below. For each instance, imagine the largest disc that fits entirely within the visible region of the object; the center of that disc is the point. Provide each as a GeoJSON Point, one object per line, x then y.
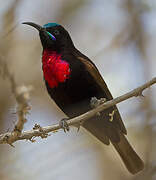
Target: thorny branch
{"type": "Point", "coordinates": [21, 94]}
{"type": "Point", "coordinates": [38, 131]}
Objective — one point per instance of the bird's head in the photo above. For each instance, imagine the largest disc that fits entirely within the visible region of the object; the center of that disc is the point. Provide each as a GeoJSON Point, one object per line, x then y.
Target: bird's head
{"type": "Point", "coordinates": [53, 36]}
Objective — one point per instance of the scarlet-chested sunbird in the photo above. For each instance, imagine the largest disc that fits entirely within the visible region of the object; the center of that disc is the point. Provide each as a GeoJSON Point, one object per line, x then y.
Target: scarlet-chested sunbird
{"type": "Point", "coordinates": [72, 79]}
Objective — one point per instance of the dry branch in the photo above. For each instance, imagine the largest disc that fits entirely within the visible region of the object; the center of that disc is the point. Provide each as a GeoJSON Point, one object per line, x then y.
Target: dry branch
{"type": "Point", "coordinates": [9, 138]}
{"type": "Point", "coordinates": [21, 94]}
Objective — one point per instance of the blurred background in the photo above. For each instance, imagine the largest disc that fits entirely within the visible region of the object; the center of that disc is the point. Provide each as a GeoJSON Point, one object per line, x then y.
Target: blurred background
{"type": "Point", "coordinates": [120, 37]}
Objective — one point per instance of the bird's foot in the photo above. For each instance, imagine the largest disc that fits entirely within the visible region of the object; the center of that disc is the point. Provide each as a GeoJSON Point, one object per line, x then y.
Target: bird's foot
{"type": "Point", "coordinates": [64, 125]}
{"type": "Point", "coordinates": [94, 103]}
{"type": "Point", "coordinates": [78, 127]}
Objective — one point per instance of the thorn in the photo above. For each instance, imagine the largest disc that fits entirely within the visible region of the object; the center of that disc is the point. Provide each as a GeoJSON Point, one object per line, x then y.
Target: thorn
{"type": "Point", "coordinates": [32, 139]}
{"type": "Point", "coordinates": [11, 145]}
{"type": "Point", "coordinates": [140, 94]}
{"type": "Point", "coordinates": [112, 115]}
{"type": "Point", "coordinates": [79, 125]}
{"type": "Point", "coordinates": [78, 128]}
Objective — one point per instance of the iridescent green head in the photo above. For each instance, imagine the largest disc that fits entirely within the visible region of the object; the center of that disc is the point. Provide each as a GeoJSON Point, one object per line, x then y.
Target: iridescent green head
{"type": "Point", "coordinates": [53, 36]}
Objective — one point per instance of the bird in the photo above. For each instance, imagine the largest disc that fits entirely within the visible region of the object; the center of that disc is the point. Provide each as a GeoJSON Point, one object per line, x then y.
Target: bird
{"type": "Point", "coordinates": [73, 81]}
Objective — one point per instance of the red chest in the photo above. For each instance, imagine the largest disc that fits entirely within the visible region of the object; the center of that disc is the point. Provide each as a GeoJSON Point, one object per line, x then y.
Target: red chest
{"type": "Point", "coordinates": [55, 70]}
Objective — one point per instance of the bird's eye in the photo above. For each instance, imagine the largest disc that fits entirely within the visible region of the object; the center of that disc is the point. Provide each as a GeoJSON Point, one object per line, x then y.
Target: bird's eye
{"type": "Point", "coordinates": [56, 32]}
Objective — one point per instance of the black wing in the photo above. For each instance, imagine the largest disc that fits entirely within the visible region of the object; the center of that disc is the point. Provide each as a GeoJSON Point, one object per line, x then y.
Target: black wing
{"type": "Point", "coordinates": [103, 129]}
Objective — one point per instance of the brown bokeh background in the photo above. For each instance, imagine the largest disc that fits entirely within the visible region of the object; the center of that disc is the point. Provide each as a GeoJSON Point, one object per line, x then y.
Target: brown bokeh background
{"type": "Point", "coordinates": [119, 36]}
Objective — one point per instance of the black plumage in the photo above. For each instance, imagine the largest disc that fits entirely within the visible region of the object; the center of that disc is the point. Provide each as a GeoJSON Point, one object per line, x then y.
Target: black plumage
{"type": "Point", "coordinates": [74, 94]}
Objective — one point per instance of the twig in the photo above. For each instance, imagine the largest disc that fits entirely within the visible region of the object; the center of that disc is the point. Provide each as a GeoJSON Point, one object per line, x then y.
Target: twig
{"type": "Point", "coordinates": [21, 94]}
{"type": "Point", "coordinates": [9, 138]}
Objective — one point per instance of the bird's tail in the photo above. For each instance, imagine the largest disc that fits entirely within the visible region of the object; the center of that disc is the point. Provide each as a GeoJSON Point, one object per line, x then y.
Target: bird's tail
{"type": "Point", "coordinates": [115, 132]}
{"type": "Point", "coordinates": [130, 158]}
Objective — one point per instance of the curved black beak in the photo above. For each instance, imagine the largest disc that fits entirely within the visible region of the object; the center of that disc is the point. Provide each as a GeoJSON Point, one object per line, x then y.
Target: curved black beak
{"type": "Point", "coordinates": [45, 36]}
{"type": "Point", "coordinates": [36, 26]}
